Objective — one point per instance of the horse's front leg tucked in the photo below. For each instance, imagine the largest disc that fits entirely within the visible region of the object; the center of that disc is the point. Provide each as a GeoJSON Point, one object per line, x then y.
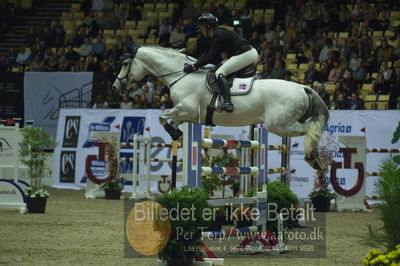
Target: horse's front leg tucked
{"type": "Point", "coordinates": [173, 129]}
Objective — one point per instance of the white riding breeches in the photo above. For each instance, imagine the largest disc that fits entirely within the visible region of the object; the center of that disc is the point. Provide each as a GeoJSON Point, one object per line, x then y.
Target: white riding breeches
{"type": "Point", "coordinates": [238, 62]}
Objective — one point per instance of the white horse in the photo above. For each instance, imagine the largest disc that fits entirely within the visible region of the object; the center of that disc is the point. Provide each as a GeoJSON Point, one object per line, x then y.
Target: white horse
{"type": "Point", "coordinates": [282, 105]}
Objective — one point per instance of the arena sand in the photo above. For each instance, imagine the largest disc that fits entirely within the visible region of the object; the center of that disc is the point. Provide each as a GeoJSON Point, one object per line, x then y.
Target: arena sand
{"type": "Point", "coordinates": [77, 231]}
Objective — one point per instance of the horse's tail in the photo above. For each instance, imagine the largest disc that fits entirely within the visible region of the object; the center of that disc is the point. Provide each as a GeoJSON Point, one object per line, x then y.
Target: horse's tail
{"type": "Point", "coordinates": [317, 123]}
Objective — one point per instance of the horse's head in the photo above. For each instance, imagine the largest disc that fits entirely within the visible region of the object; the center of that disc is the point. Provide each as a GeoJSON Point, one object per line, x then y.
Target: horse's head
{"type": "Point", "coordinates": [130, 70]}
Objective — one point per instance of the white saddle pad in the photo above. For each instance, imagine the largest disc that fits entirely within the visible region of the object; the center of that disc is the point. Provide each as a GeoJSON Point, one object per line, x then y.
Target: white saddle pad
{"type": "Point", "coordinates": [241, 86]}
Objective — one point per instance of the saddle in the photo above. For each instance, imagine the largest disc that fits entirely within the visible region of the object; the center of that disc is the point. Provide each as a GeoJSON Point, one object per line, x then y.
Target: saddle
{"type": "Point", "coordinates": [240, 82]}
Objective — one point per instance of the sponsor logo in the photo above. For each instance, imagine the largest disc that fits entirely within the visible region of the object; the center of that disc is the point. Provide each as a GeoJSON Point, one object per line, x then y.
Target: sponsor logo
{"type": "Point", "coordinates": [71, 131]}
{"type": "Point", "coordinates": [67, 166]}
{"type": "Point", "coordinates": [104, 126]}
{"type": "Point", "coordinates": [339, 128]}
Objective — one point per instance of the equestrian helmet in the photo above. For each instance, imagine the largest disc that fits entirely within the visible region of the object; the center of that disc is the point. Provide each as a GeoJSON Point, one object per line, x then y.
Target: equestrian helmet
{"type": "Point", "coordinates": [208, 19]}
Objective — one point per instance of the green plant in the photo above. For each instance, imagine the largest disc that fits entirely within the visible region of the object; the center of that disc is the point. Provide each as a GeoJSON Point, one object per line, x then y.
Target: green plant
{"type": "Point", "coordinates": [388, 187]}
{"type": "Point", "coordinates": [32, 154]}
{"type": "Point", "coordinates": [115, 184]}
{"type": "Point", "coordinates": [194, 199]}
{"type": "Point", "coordinates": [377, 257]}
{"type": "Point", "coordinates": [278, 193]}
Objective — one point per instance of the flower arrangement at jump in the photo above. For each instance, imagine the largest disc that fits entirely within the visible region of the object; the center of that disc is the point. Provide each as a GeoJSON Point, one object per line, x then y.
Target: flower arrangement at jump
{"type": "Point", "coordinates": [32, 154]}
{"type": "Point", "coordinates": [321, 196]}
{"type": "Point", "coordinates": [387, 237]}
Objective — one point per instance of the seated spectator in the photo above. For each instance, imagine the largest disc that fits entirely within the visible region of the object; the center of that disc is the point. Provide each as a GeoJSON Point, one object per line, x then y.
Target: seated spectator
{"type": "Point", "coordinates": [311, 74]}
{"type": "Point", "coordinates": [386, 71]}
{"type": "Point", "coordinates": [320, 89]}
{"type": "Point", "coordinates": [86, 48]}
{"type": "Point", "coordinates": [134, 90]}
{"type": "Point", "coordinates": [36, 64]}
{"type": "Point", "coordinates": [359, 73]}
{"type": "Point", "coordinates": [4, 67]}
{"type": "Point", "coordinates": [355, 103]}
{"type": "Point", "coordinates": [51, 64]}
{"type": "Point", "coordinates": [23, 57]}
{"type": "Point", "coordinates": [100, 103]}
{"type": "Point", "coordinates": [122, 12]}
{"type": "Point", "coordinates": [189, 28]}
{"type": "Point", "coordinates": [177, 38]}
{"type": "Point", "coordinates": [341, 103]}
{"type": "Point", "coordinates": [64, 65]}
{"type": "Point", "coordinates": [71, 55]}
{"type": "Point", "coordinates": [384, 52]}
{"type": "Point", "coordinates": [143, 101]}
{"type": "Point", "coordinates": [164, 34]}
{"type": "Point", "coordinates": [324, 72]}
{"type": "Point", "coordinates": [136, 102]}
{"type": "Point", "coordinates": [278, 72]}
{"type": "Point", "coordinates": [98, 47]}
{"type": "Point", "coordinates": [334, 73]}
{"type": "Point", "coordinates": [126, 102]}
{"type": "Point", "coordinates": [384, 22]}
{"type": "Point", "coordinates": [395, 91]}
{"type": "Point", "coordinates": [380, 85]}
{"type": "Point", "coordinates": [166, 101]}
{"type": "Point", "coordinates": [156, 103]}
{"type": "Point", "coordinates": [324, 52]}
{"type": "Point", "coordinates": [91, 64]}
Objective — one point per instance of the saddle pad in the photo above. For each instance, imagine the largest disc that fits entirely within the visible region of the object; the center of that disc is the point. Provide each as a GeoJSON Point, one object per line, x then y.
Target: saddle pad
{"type": "Point", "coordinates": [241, 86]}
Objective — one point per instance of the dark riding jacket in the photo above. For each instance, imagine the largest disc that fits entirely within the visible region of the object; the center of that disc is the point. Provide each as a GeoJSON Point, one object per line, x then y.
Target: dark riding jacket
{"type": "Point", "coordinates": [225, 41]}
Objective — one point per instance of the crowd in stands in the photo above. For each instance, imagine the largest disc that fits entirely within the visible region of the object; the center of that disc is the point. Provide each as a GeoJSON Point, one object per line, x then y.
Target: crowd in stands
{"type": "Point", "coordinates": [337, 66]}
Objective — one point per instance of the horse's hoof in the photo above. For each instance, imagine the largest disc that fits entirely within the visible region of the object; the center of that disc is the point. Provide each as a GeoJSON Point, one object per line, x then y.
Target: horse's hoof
{"type": "Point", "coordinates": [176, 134]}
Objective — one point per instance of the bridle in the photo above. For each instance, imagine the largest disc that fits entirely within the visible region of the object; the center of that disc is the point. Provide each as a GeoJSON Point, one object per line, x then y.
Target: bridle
{"type": "Point", "coordinates": [132, 48]}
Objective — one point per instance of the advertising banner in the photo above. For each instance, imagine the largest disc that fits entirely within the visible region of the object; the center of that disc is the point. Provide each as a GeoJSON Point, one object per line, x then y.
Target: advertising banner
{"type": "Point", "coordinates": [44, 93]}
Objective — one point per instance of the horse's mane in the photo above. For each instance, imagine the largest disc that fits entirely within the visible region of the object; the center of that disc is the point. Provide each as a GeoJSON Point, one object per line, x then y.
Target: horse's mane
{"type": "Point", "coordinates": [169, 51]}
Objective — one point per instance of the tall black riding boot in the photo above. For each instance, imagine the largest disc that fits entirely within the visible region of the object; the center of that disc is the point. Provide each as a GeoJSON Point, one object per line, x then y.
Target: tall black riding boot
{"type": "Point", "coordinates": [226, 94]}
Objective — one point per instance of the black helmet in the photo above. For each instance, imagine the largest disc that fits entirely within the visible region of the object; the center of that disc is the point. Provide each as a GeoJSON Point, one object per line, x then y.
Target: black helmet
{"type": "Point", "coordinates": [208, 19]}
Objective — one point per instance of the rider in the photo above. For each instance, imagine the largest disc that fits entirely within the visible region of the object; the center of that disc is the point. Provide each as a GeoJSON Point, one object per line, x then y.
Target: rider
{"type": "Point", "coordinates": [240, 51]}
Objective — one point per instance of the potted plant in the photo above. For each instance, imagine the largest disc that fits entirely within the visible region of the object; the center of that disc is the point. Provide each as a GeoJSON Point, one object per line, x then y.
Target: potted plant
{"type": "Point", "coordinates": [113, 188]}
{"type": "Point", "coordinates": [321, 196]}
{"type": "Point", "coordinates": [32, 155]}
{"type": "Point", "coordinates": [385, 240]}
{"type": "Point", "coordinates": [182, 250]}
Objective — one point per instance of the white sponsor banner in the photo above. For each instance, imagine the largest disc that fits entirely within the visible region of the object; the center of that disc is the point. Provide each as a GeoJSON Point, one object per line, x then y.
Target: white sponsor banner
{"type": "Point", "coordinates": [44, 91]}
{"type": "Point", "coordinates": [379, 127]}
{"type": "Point", "coordinates": [75, 143]}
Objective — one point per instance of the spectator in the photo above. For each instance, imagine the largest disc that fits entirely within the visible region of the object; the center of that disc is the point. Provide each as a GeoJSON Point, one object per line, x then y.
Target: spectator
{"type": "Point", "coordinates": [189, 28]}
{"type": "Point", "coordinates": [126, 103]}
{"type": "Point", "coordinates": [324, 52]}
{"type": "Point", "coordinates": [380, 85]}
{"type": "Point", "coordinates": [386, 71]}
{"type": "Point", "coordinates": [4, 67]}
{"type": "Point", "coordinates": [23, 57]}
{"type": "Point", "coordinates": [156, 103]}
{"type": "Point", "coordinates": [177, 38]}
{"type": "Point", "coordinates": [98, 48]}
{"type": "Point", "coordinates": [395, 92]}
{"type": "Point", "coordinates": [122, 12]}
{"type": "Point", "coordinates": [134, 90]}
{"type": "Point", "coordinates": [311, 74]}
{"type": "Point", "coordinates": [384, 22]}
{"type": "Point", "coordinates": [341, 103]}
{"type": "Point", "coordinates": [334, 73]}
{"type": "Point", "coordinates": [100, 103]}
{"type": "Point", "coordinates": [71, 55]}
{"type": "Point", "coordinates": [189, 11]}
{"type": "Point", "coordinates": [148, 93]}
{"type": "Point", "coordinates": [164, 32]}
{"type": "Point", "coordinates": [86, 48]}
{"type": "Point", "coordinates": [355, 103]}
{"type": "Point", "coordinates": [136, 102]}
{"type": "Point", "coordinates": [320, 89]}
{"type": "Point", "coordinates": [324, 73]}
{"type": "Point", "coordinates": [384, 51]}
{"type": "Point", "coordinates": [277, 72]}
{"type": "Point", "coordinates": [143, 101]}
{"type": "Point", "coordinates": [36, 64]}
{"type": "Point", "coordinates": [91, 64]}
{"type": "Point", "coordinates": [166, 101]}
{"type": "Point", "coordinates": [359, 73]}
{"type": "Point", "coordinates": [64, 65]}
{"type": "Point", "coordinates": [86, 6]}
{"type": "Point", "coordinates": [51, 64]}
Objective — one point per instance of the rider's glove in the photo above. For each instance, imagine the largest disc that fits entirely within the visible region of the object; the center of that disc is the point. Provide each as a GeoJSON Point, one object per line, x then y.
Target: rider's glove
{"type": "Point", "coordinates": [188, 68]}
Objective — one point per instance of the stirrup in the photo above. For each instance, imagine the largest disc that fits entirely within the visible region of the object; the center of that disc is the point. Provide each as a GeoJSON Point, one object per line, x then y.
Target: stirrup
{"type": "Point", "coordinates": [226, 106]}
